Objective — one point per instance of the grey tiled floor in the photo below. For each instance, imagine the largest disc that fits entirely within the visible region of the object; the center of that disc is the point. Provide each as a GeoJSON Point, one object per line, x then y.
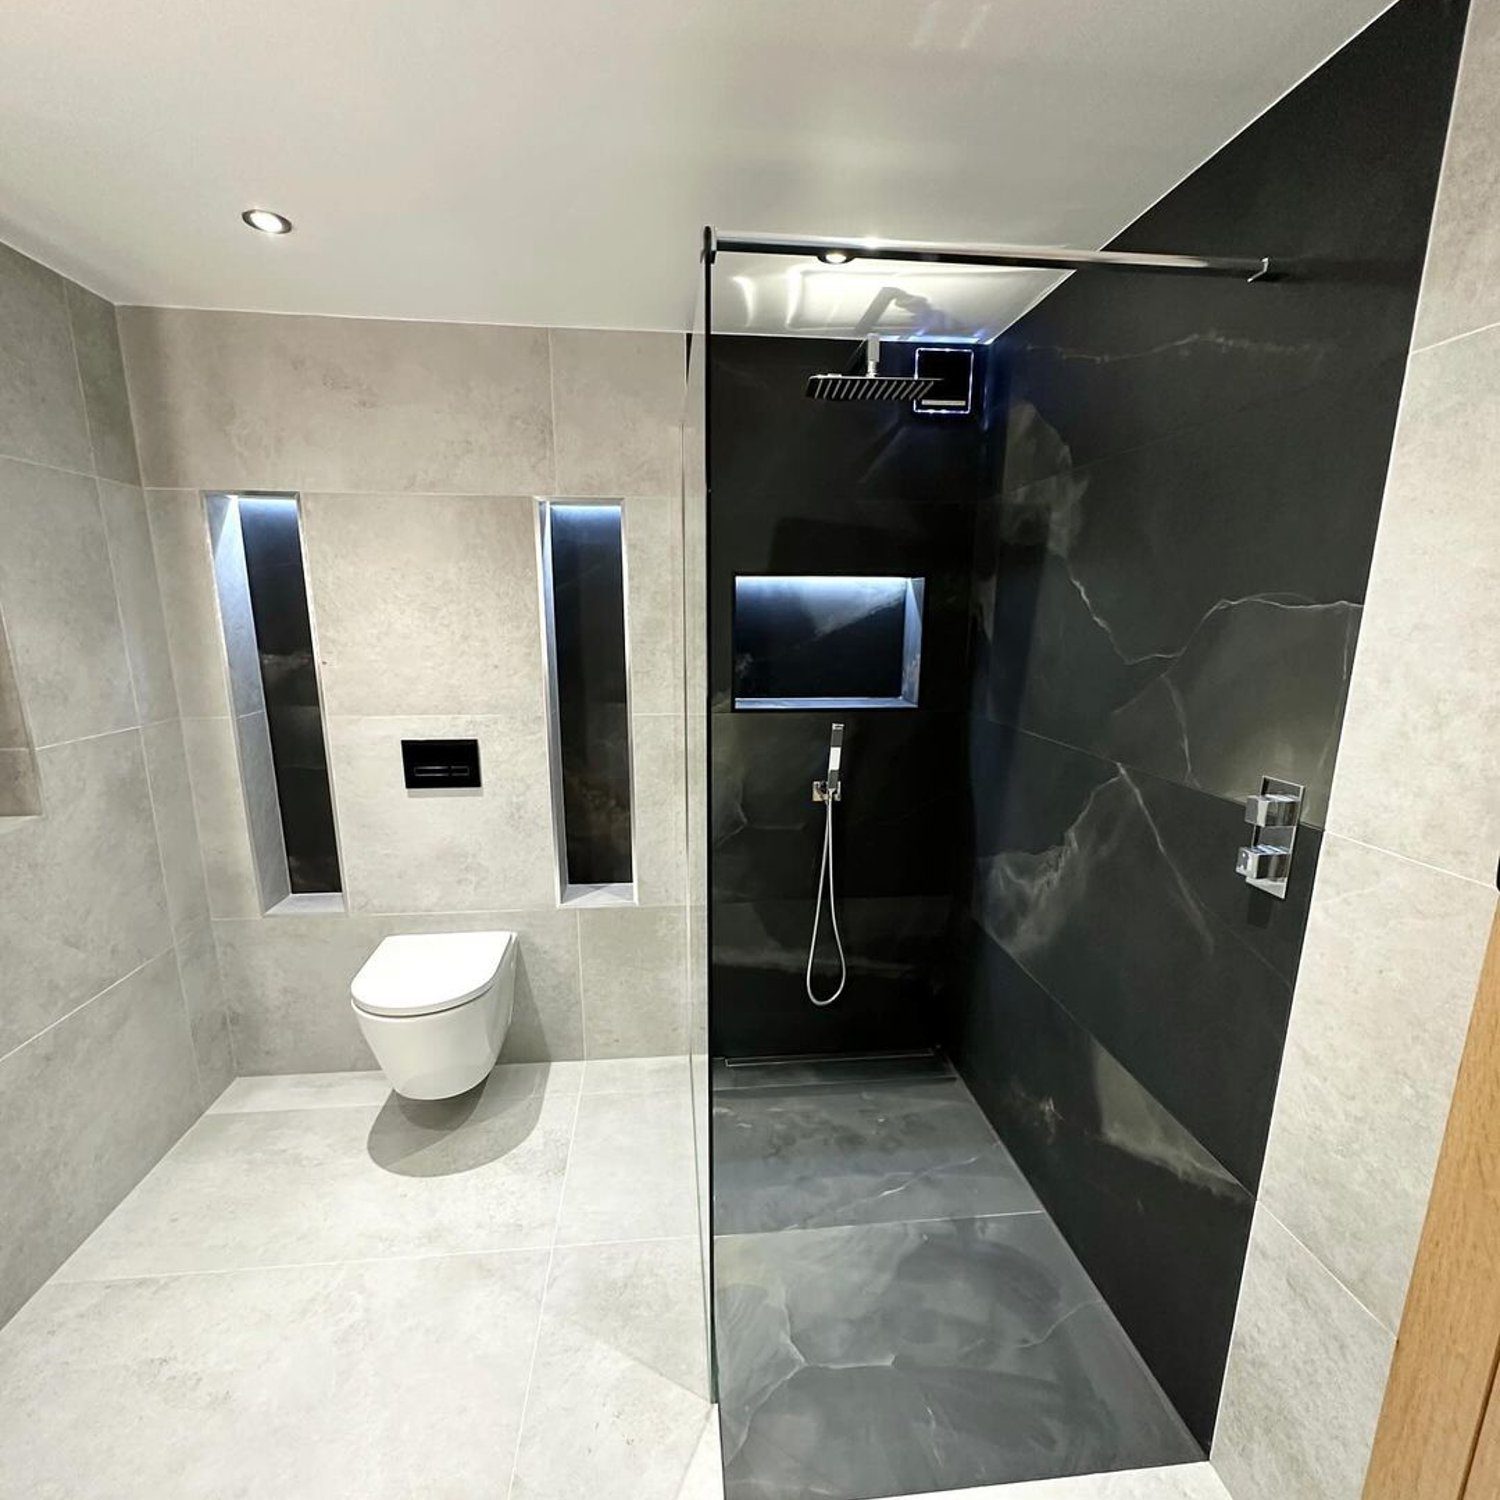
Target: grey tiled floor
{"type": "Point", "coordinates": [895, 1312]}
{"type": "Point", "coordinates": [323, 1291]}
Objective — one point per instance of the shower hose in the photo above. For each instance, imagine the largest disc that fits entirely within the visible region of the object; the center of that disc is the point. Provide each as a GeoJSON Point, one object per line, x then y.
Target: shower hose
{"type": "Point", "coordinates": [825, 877]}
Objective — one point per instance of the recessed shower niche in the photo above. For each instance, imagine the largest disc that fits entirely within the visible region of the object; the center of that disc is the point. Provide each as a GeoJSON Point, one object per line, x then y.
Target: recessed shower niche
{"type": "Point", "coordinates": [583, 610]}
{"type": "Point", "coordinates": [274, 695]}
{"type": "Point", "coordinates": [821, 641]}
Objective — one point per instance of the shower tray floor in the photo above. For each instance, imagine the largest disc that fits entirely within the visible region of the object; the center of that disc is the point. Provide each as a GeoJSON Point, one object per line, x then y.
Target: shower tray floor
{"type": "Point", "coordinates": [896, 1312]}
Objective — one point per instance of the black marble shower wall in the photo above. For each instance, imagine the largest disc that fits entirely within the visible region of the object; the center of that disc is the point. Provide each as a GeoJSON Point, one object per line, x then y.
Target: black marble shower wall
{"type": "Point", "coordinates": [813, 487]}
{"type": "Point", "coordinates": [1167, 594]}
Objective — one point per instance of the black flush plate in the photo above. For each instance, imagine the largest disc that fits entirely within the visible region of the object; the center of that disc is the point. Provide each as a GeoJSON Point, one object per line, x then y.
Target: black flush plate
{"type": "Point", "coordinates": [440, 762]}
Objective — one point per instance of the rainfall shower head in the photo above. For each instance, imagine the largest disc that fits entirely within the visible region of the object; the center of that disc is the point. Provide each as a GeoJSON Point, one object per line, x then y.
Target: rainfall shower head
{"type": "Point", "coordinates": [870, 386]}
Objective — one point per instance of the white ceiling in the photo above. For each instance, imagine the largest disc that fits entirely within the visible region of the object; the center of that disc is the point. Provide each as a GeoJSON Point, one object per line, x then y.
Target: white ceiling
{"type": "Point", "coordinates": [553, 162]}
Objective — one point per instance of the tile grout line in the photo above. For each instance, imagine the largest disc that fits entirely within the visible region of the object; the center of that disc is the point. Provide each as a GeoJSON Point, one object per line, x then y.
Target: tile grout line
{"type": "Point", "coordinates": [541, 1311]}
{"type": "Point", "coordinates": [84, 1004]}
{"type": "Point", "coordinates": [1482, 883]}
{"type": "Point", "coordinates": [1328, 1270]}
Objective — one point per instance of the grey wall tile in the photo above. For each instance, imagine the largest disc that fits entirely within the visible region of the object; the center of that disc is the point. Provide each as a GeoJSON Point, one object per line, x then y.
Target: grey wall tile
{"type": "Point", "coordinates": [231, 401]}
{"type": "Point", "coordinates": [20, 786]}
{"type": "Point", "coordinates": [426, 604]}
{"type": "Point", "coordinates": [489, 849]}
{"type": "Point", "coordinates": [1461, 285]}
{"type": "Point", "coordinates": [208, 1018]}
{"type": "Point", "coordinates": [1423, 709]}
{"type": "Point", "coordinates": [81, 898]}
{"type": "Point", "coordinates": [134, 563]}
{"type": "Point", "coordinates": [219, 806]}
{"type": "Point", "coordinates": [1307, 1370]}
{"type": "Point", "coordinates": [232, 590]}
{"type": "Point", "coordinates": [288, 980]}
{"type": "Point", "coordinates": [101, 371]}
{"type": "Point", "coordinates": [86, 1109]}
{"type": "Point", "coordinates": [286, 985]}
{"type": "Point", "coordinates": [262, 809]}
{"type": "Point", "coordinates": [653, 606]}
{"type": "Point", "coordinates": [185, 576]}
{"type": "Point", "coordinates": [658, 765]}
{"type": "Point", "coordinates": [1383, 1000]}
{"type": "Point", "coordinates": [632, 963]}
{"type": "Point", "coordinates": [176, 826]}
{"type": "Point", "coordinates": [618, 400]}
{"type": "Point", "coordinates": [60, 610]}
{"type": "Point", "coordinates": [41, 404]}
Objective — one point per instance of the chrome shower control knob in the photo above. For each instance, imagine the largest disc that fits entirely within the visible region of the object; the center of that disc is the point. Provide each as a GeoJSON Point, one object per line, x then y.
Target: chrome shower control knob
{"type": "Point", "coordinates": [1273, 810]}
{"type": "Point", "coordinates": [1258, 862]}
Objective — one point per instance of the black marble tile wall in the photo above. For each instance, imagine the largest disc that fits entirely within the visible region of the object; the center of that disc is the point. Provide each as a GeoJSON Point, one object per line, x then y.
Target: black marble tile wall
{"type": "Point", "coordinates": [802, 487]}
{"type": "Point", "coordinates": [1169, 571]}
{"type": "Point", "coordinates": [1159, 1223]}
{"type": "Point", "coordinates": [283, 630]}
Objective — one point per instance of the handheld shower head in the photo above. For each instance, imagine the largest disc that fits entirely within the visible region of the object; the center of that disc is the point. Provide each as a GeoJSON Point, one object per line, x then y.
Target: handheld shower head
{"type": "Point", "coordinates": [870, 386]}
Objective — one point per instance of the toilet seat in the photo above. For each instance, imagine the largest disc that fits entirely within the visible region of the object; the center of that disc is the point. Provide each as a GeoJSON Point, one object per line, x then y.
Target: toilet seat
{"type": "Point", "coordinates": [422, 974]}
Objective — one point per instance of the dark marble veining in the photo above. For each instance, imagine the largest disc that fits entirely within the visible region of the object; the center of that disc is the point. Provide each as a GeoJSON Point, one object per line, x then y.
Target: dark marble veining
{"type": "Point", "coordinates": [805, 487]}
{"type": "Point", "coordinates": [1336, 181]}
{"type": "Point", "coordinates": [897, 949]}
{"type": "Point", "coordinates": [1169, 569]}
{"type": "Point", "coordinates": [1116, 892]}
{"type": "Point", "coordinates": [895, 825]}
{"type": "Point", "coordinates": [891, 1359]}
{"type": "Point", "coordinates": [1159, 1222]}
{"type": "Point", "coordinates": [1190, 607]}
{"type": "Point", "coordinates": [799, 1157]}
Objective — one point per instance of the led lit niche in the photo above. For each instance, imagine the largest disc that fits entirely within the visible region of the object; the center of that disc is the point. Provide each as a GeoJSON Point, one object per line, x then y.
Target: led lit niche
{"type": "Point", "coordinates": [815, 641]}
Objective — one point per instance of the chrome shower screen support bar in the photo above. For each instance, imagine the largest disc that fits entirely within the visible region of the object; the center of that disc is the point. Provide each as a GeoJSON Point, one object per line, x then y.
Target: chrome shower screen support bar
{"type": "Point", "coordinates": [1028, 257]}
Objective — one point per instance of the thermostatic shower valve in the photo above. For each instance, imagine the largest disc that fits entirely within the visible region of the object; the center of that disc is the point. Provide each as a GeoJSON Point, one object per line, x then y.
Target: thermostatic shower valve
{"type": "Point", "coordinates": [1266, 861]}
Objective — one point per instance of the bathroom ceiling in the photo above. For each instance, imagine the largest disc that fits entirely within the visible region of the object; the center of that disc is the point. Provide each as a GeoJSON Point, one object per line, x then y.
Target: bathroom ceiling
{"type": "Point", "coordinates": [553, 163]}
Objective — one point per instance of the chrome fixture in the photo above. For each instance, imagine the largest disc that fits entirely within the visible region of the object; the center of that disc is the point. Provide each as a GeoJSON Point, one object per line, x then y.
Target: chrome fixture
{"type": "Point", "coordinates": [828, 792]}
{"type": "Point", "coordinates": [267, 221]}
{"type": "Point", "coordinates": [1274, 814]}
{"type": "Point", "coordinates": [1031, 257]}
{"type": "Point", "coordinates": [871, 385]}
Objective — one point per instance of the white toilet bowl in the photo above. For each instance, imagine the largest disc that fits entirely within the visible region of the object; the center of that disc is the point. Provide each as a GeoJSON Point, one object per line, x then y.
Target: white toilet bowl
{"type": "Point", "coordinates": [435, 1006]}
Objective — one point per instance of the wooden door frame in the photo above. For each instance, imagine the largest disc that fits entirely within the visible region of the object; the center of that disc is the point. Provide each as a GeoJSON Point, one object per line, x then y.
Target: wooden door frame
{"type": "Point", "coordinates": [1439, 1432]}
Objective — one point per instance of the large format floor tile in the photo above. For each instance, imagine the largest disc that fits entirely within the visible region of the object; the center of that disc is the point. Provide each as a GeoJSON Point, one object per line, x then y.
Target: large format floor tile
{"type": "Point", "coordinates": [888, 1359]}
{"type": "Point", "coordinates": [360, 1382]}
{"type": "Point", "coordinates": [293, 1187]}
{"type": "Point", "coordinates": [807, 1156]}
{"type": "Point", "coordinates": [325, 1292]}
{"type": "Point", "coordinates": [619, 1392]}
{"type": "Point", "coordinates": [631, 1173]}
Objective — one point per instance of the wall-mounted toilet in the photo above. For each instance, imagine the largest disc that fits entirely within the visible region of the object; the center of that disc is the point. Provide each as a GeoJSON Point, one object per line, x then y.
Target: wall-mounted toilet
{"type": "Point", "coordinates": [435, 1006]}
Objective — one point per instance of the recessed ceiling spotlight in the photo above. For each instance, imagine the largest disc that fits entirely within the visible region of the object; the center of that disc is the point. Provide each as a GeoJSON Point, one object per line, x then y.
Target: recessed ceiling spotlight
{"type": "Point", "coordinates": [266, 221]}
{"type": "Point", "coordinates": [836, 257]}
